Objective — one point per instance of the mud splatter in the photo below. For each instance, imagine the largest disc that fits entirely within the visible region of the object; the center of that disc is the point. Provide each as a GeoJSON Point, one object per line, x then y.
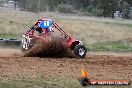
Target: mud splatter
{"type": "Point", "coordinates": [55, 48]}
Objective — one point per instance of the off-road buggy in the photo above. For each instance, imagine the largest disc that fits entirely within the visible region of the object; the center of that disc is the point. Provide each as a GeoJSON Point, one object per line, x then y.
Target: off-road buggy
{"type": "Point", "coordinates": [44, 29]}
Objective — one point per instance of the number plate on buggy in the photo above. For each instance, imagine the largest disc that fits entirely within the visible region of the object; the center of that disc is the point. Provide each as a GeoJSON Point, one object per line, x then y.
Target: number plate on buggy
{"type": "Point", "coordinates": [45, 24]}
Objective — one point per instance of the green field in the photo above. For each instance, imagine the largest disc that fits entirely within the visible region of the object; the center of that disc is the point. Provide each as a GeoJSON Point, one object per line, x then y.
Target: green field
{"type": "Point", "coordinates": [43, 81]}
{"type": "Point", "coordinates": [97, 34]}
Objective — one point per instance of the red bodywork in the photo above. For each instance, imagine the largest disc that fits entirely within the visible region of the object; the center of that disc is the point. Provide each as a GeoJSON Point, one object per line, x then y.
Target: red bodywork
{"type": "Point", "coordinates": [71, 42]}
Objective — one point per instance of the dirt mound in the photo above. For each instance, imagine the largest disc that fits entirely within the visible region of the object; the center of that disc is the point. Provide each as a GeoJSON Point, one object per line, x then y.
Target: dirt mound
{"type": "Point", "coordinates": [55, 48]}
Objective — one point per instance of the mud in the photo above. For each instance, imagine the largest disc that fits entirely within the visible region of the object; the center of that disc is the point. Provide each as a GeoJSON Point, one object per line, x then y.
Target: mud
{"type": "Point", "coordinates": [54, 48]}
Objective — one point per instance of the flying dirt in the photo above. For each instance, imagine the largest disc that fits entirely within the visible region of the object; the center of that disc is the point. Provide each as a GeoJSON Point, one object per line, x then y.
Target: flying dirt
{"type": "Point", "coordinates": [55, 48]}
{"type": "Point", "coordinates": [54, 41]}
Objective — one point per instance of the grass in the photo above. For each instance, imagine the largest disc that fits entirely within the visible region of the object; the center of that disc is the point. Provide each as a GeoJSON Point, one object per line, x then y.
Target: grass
{"type": "Point", "coordinates": [10, 36]}
{"type": "Point", "coordinates": [110, 46]}
{"type": "Point", "coordinates": [129, 26]}
{"type": "Point", "coordinates": [43, 81]}
{"type": "Point", "coordinates": [92, 33]}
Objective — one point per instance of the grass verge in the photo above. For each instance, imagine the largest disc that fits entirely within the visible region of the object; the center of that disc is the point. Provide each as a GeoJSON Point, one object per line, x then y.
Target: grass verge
{"type": "Point", "coordinates": [41, 81]}
{"type": "Point", "coordinates": [9, 36]}
{"type": "Point", "coordinates": [93, 32]}
{"type": "Point", "coordinates": [119, 24]}
{"type": "Point", "coordinates": [111, 46]}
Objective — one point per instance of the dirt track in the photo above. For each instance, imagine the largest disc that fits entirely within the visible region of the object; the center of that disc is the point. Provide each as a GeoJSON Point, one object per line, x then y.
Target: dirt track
{"type": "Point", "coordinates": [99, 65]}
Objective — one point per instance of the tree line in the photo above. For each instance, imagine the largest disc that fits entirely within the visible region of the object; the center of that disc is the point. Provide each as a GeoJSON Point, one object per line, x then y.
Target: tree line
{"type": "Point", "coordinates": [104, 8]}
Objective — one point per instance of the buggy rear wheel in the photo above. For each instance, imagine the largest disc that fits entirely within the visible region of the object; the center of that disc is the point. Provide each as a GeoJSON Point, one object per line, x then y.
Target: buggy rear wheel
{"type": "Point", "coordinates": [80, 51]}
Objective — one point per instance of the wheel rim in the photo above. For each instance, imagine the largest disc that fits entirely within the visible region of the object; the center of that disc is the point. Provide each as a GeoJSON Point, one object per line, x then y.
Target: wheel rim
{"type": "Point", "coordinates": [81, 51]}
{"type": "Point", "coordinates": [24, 43]}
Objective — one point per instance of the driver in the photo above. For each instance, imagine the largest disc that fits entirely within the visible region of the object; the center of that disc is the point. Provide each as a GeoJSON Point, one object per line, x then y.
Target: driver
{"type": "Point", "coordinates": [43, 26]}
{"type": "Point", "coordinates": [45, 30]}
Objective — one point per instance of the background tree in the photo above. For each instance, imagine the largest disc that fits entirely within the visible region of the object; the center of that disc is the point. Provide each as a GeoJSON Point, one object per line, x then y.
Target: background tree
{"type": "Point", "coordinates": [124, 7]}
{"type": "Point", "coordinates": [104, 8]}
